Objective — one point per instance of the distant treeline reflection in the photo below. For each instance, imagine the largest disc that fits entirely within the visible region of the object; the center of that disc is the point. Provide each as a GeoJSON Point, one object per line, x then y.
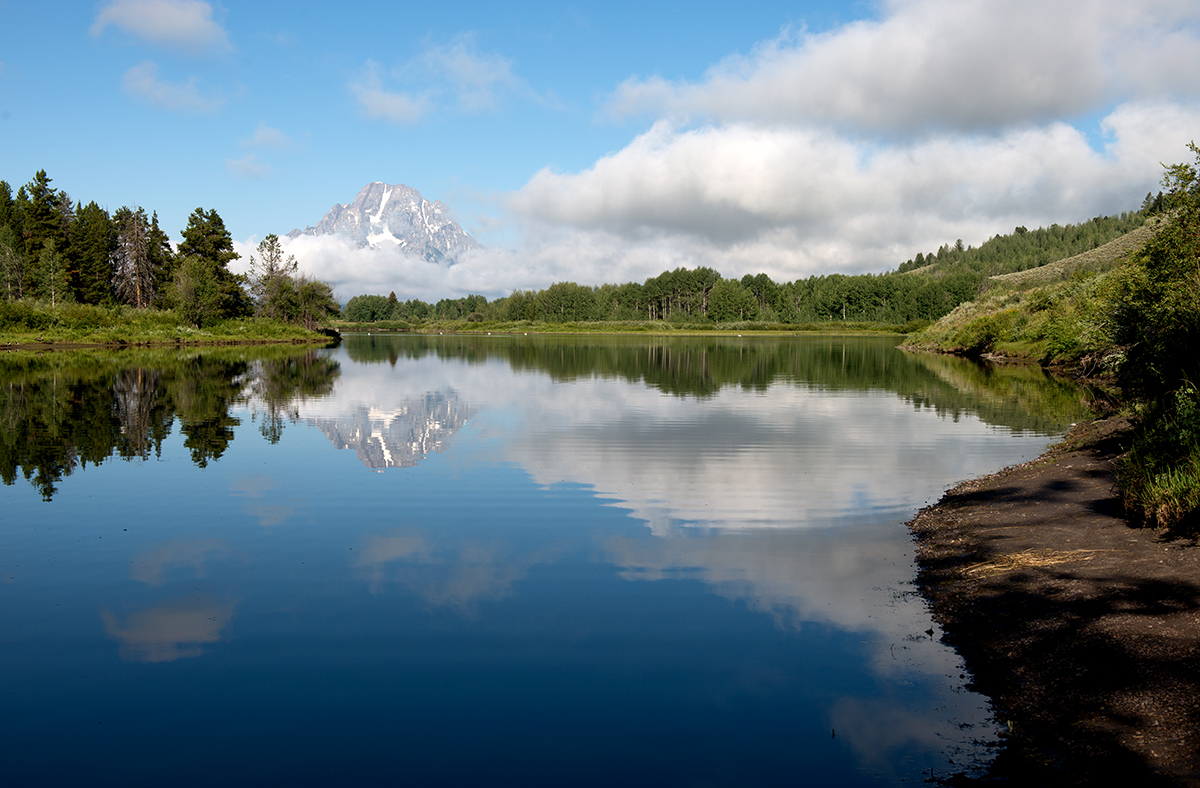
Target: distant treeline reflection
{"type": "Point", "coordinates": [59, 412]}
{"type": "Point", "coordinates": [1020, 397]}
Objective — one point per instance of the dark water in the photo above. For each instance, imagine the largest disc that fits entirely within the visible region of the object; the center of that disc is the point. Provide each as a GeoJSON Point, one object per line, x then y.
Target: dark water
{"type": "Point", "coordinates": [489, 560]}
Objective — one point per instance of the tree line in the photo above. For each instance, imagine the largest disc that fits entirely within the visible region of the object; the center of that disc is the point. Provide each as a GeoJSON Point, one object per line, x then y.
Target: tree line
{"type": "Point", "coordinates": [59, 251]}
{"type": "Point", "coordinates": [924, 288]}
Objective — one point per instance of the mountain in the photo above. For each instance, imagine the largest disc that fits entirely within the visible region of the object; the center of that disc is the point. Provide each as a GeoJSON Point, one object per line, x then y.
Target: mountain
{"type": "Point", "coordinates": [396, 216]}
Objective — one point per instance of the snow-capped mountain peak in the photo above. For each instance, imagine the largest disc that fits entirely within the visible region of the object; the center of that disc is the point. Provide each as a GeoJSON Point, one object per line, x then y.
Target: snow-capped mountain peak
{"type": "Point", "coordinates": [397, 216]}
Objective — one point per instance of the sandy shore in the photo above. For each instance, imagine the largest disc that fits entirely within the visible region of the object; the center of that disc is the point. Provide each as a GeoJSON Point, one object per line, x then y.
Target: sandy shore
{"type": "Point", "coordinates": [1084, 632]}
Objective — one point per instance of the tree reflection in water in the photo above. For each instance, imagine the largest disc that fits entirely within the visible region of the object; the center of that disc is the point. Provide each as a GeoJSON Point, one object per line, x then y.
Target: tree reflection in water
{"type": "Point", "coordinates": [60, 412]}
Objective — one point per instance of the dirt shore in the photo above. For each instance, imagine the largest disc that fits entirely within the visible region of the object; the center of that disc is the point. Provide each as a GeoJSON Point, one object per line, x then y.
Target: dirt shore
{"type": "Point", "coordinates": [1084, 632]}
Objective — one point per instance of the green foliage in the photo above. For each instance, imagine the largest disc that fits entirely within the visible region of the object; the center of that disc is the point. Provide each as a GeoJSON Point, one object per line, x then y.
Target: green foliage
{"type": "Point", "coordinates": [198, 295]}
{"type": "Point", "coordinates": [62, 411]}
{"type": "Point", "coordinates": [50, 276]}
{"type": "Point", "coordinates": [205, 239]}
{"type": "Point", "coordinates": [1160, 474]}
{"type": "Point", "coordinates": [12, 265]}
{"type": "Point", "coordinates": [1157, 319]}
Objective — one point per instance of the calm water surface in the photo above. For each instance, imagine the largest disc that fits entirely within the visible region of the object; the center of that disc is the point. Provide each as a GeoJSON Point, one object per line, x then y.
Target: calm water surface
{"type": "Point", "coordinates": [500, 560]}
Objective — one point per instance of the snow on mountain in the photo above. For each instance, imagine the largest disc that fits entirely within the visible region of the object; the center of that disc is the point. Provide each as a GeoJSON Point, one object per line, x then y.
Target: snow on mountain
{"type": "Point", "coordinates": [396, 216]}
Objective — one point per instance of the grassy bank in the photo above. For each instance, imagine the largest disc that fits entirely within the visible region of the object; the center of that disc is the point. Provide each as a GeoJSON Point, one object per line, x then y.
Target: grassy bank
{"type": "Point", "coordinates": [1127, 313]}
{"type": "Point", "coordinates": [29, 323]}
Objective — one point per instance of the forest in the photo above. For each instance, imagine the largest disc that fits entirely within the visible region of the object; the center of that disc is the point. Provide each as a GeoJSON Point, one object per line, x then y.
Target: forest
{"type": "Point", "coordinates": [57, 251]}
{"type": "Point", "coordinates": [923, 288]}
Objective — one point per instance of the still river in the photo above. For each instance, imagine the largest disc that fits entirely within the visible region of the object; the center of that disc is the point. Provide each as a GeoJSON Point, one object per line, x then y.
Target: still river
{"type": "Point", "coordinates": [477, 560]}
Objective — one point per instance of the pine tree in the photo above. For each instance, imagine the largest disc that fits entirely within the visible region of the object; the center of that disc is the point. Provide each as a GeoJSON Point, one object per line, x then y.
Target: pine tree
{"type": "Point", "coordinates": [133, 277]}
{"type": "Point", "coordinates": [93, 244]}
{"type": "Point", "coordinates": [272, 287]}
{"type": "Point", "coordinates": [12, 264]}
{"type": "Point", "coordinates": [163, 261]}
{"type": "Point", "coordinates": [206, 239]}
{"type": "Point", "coordinates": [42, 219]}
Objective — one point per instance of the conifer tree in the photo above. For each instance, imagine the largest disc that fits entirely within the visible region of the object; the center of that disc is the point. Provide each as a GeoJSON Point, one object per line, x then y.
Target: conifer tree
{"type": "Point", "coordinates": [133, 277]}
{"type": "Point", "coordinates": [206, 239]}
{"type": "Point", "coordinates": [93, 243]}
{"type": "Point", "coordinates": [12, 265]}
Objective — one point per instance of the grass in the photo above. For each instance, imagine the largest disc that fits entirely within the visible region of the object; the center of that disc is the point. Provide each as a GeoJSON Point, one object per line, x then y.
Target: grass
{"type": "Point", "coordinates": [1055, 315]}
{"type": "Point", "coordinates": [1065, 314]}
{"type": "Point", "coordinates": [1061, 324]}
{"type": "Point", "coordinates": [32, 323]}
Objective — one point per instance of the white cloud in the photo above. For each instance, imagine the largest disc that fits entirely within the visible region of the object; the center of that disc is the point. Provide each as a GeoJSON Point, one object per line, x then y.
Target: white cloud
{"type": "Point", "coordinates": [380, 103]}
{"type": "Point", "coordinates": [931, 64]}
{"type": "Point", "coordinates": [474, 79]}
{"type": "Point", "coordinates": [143, 82]}
{"type": "Point", "coordinates": [453, 76]}
{"type": "Point", "coordinates": [186, 24]}
{"type": "Point", "coordinates": [249, 167]}
{"type": "Point", "coordinates": [802, 200]}
{"type": "Point", "coordinates": [270, 138]}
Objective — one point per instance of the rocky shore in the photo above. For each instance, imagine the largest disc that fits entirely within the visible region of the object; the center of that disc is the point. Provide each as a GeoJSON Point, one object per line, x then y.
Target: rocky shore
{"type": "Point", "coordinates": [1084, 632]}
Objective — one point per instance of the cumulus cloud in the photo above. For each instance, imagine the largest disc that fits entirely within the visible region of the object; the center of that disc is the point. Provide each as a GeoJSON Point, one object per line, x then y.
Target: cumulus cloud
{"type": "Point", "coordinates": [142, 81]}
{"type": "Point", "coordinates": [930, 64]}
{"type": "Point", "coordinates": [454, 76]}
{"type": "Point", "coordinates": [173, 24]}
{"type": "Point", "coordinates": [800, 200]}
{"type": "Point", "coordinates": [845, 151]}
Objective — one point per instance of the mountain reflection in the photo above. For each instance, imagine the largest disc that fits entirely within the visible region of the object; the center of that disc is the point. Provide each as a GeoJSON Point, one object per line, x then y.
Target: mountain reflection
{"type": "Point", "coordinates": [1020, 397]}
{"type": "Point", "coordinates": [60, 412]}
{"type": "Point", "coordinates": [401, 435]}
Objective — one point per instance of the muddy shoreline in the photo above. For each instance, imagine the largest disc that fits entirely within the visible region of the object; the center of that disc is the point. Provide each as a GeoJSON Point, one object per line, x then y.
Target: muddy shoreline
{"type": "Point", "coordinates": [1084, 632]}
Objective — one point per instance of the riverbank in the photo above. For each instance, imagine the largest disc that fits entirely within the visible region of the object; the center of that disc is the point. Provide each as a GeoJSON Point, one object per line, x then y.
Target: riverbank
{"type": "Point", "coordinates": [1084, 632]}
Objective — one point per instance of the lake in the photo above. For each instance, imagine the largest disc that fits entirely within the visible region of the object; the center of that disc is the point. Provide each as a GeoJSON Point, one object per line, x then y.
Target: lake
{"type": "Point", "coordinates": [449, 560]}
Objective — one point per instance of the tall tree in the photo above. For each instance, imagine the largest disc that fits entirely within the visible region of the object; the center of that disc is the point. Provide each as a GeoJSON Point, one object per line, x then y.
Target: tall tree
{"type": "Point", "coordinates": [53, 278]}
{"type": "Point", "coordinates": [133, 275]}
{"type": "Point", "coordinates": [12, 264]}
{"type": "Point", "coordinates": [272, 288]}
{"type": "Point", "coordinates": [206, 239]}
{"type": "Point", "coordinates": [93, 244]}
{"type": "Point", "coordinates": [42, 220]}
{"type": "Point", "coordinates": [163, 261]}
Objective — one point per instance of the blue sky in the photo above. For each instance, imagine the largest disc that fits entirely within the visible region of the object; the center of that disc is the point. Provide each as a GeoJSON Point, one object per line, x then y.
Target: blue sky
{"type": "Point", "coordinates": [606, 141]}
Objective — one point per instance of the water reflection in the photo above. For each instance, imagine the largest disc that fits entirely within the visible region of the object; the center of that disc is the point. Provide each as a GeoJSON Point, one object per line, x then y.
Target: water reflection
{"type": "Point", "coordinates": [401, 435]}
{"type": "Point", "coordinates": [450, 573]}
{"type": "Point", "coordinates": [674, 559]}
{"type": "Point", "coordinates": [60, 412]}
{"type": "Point", "coordinates": [152, 566]}
{"type": "Point", "coordinates": [173, 630]}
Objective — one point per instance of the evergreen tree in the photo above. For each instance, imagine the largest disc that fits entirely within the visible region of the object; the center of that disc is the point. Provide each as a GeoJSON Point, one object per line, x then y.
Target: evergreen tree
{"type": "Point", "coordinates": [206, 239]}
{"type": "Point", "coordinates": [42, 217]}
{"type": "Point", "coordinates": [272, 289]}
{"type": "Point", "coordinates": [133, 276]}
{"type": "Point", "coordinates": [163, 262]}
{"type": "Point", "coordinates": [12, 264]}
{"type": "Point", "coordinates": [93, 244]}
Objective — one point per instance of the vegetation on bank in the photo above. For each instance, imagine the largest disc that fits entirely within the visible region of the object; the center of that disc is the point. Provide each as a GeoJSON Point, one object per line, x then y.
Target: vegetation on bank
{"type": "Point", "coordinates": [1131, 315]}
{"type": "Point", "coordinates": [921, 289]}
{"type": "Point", "coordinates": [480, 326]}
{"type": "Point", "coordinates": [67, 268]}
{"type": "Point", "coordinates": [34, 323]}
